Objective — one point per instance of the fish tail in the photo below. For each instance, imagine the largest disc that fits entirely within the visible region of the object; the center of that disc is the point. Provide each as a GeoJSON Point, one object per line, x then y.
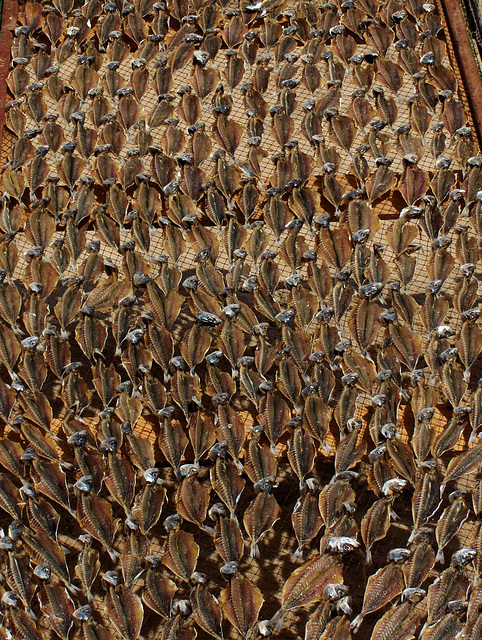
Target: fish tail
{"type": "Point", "coordinates": [208, 530]}
{"type": "Point", "coordinates": [73, 589]}
{"type": "Point", "coordinates": [277, 620]}
{"type": "Point", "coordinates": [113, 554]}
{"type": "Point", "coordinates": [31, 614]}
{"type": "Point", "coordinates": [356, 622]}
{"type": "Point", "coordinates": [440, 556]}
{"type": "Point", "coordinates": [254, 550]}
{"type": "Point", "coordinates": [368, 557]}
{"type": "Point", "coordinates": [297, 556]}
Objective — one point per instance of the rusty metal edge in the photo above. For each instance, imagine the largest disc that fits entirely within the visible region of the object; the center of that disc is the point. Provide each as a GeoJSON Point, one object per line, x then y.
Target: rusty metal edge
{"type": "Point", "coordinates": [456, 22]}
{"type": "Point", "coordinates": [9, 22]}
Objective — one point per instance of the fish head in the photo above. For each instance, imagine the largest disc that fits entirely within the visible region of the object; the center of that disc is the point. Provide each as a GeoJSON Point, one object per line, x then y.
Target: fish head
{"type": "Point", "coordinates": [111, 577]}
{"type": "Point", "coordinates": [399, 554]}
{"type": "Point", "coordinates": [10, 599]}
{"type": "Point", "coordinates": [335, 591]}
{"type": "Point", "coordinates": [6, 544]}
{"type": "Point", "coordinates": [463, 557]}
{"type": "Point", "coordinates": [342, 545]}
{"type": "Point", "coordinates": [172, 522]}
{"type": "Point", "coordinates": [266, 484]}
{"type": "Point", "coordinates": [394, 485]}
{"type": "Point", "coordinates": [230, 568]}
{"type": "Point", "coordinates": [43, 571]}
{"type": "Point", "coordinates": [83, 613]}
{"type": "Point", "coordinates": [197, 578]}
{"type": "Point", "coordinates": [181, 607]}
{"type": "Point", "coordinates": [84, 484]}
{"type": "Point", "coordinates": [413, 595]}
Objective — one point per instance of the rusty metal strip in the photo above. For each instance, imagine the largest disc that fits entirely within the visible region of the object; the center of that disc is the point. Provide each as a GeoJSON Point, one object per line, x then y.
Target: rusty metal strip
{"type": "Point", "coordinates": [9, 22]}
{"type": "Point", "coordinates": [455, 19]}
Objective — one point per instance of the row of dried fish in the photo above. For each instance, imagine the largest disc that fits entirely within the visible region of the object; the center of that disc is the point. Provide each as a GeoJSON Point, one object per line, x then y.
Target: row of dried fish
{"type": "Point", "coordinates": [332, 507]}
{"type": "Point", "coordinates": [127, 111]}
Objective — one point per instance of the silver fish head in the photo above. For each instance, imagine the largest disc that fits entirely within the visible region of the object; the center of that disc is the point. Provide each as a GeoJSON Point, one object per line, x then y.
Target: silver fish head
{"type": "Point", "coordinates": [257, 430]}
{"type": "Point", "coordinates": [389, 430]}
{"type": "Point", "coordinates": [413, 594]}
{"type": "Point", "coordinates": [84, 484]}
{"type": "Point", "coordinates": [109, 445]}
{"type": "Point", "coordinates": [10, 599]}
{"type": "Point", "coordinates": [6, 543]}
{"type": "Point", "coordinates": [457, 606]}
{"type": "Point", "coordinates": [218, 450]}
{"type": "Point", "coordinates": [182, 607]}
{"type": "Point", "coordinates": [43, 571]}
{"type": "Point", "coordinates": [467, 270]}
{"type": "Point", "coordinates": [342, 544]}
{"type": "Point", "coordinates": [153, 475]}
{"type": "Point", "coordinates": [266, 484]}
{"type": "Point", "coordinates": [398, 554]}
{"type": "Point", "coordinates": [444, 331]}
{"type": "Point", "coordinates": [83, 613]}
{"type": "Point", "coordinates": [189, 470]}
{"type": "Point", "coordinates": [335, 591]}
{"type": "Point", "coordinates": [426, 414]}
{"type": "Point", "coordinates": [463, 557]}
{"type": "Point", "coordinates": [172, 522]}
{"type": "Point", "coordinates": [208, 319]}
{"type": "Point", "coordinates": [471, 314]}
{"type": "Point", "coordinates": [230, 568]}
{"type": "Point", "coordinates": [394, 485]}
{"type": "Point", "coordinates": [377, 452]}
{"type": "Point", "coordinates": [111, 577]}
{"type": "Point", "coordinates": [218, 510]}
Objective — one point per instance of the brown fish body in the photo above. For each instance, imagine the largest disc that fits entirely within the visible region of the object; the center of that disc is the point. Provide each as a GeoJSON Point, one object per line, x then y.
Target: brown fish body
{"type": "Point", "coordinates": [398, 623]}
{"type": "Point", "coordinates": [336, 498]}
{"type": "Point", "coordinates": [58, 607]}
{"type": "Point", "coordinates": [87, 569]}
{"type": "Point", "coordinates": [382, 587]}
{"type": "Point", "coordinates": [450, 522]}
{"type": "Point", "coordinates": [452, 584]}
{"type": "Point", "coordinates": [425, 500]}
{"type": "Point", "coordinates": [181, 554]}
{"type": "Point", "coordinates": [158, 592]}
{"type": "Point", "coordinates": [40, 547]}
{"type": "Point", "coordinates": [259, 518]}
{"type": "Point", "coordinates": [228, 540]}
{"type": "Point", "coordinates": [94, 515]}
{"type": "Point", "coordinates": [375, 525]}
{"type": "Point", "coordinates": [444, 629]}
{"type": "Point", "coordinates": [306, 520]}
{"type": "Point", "coordinates": [126, 612]}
